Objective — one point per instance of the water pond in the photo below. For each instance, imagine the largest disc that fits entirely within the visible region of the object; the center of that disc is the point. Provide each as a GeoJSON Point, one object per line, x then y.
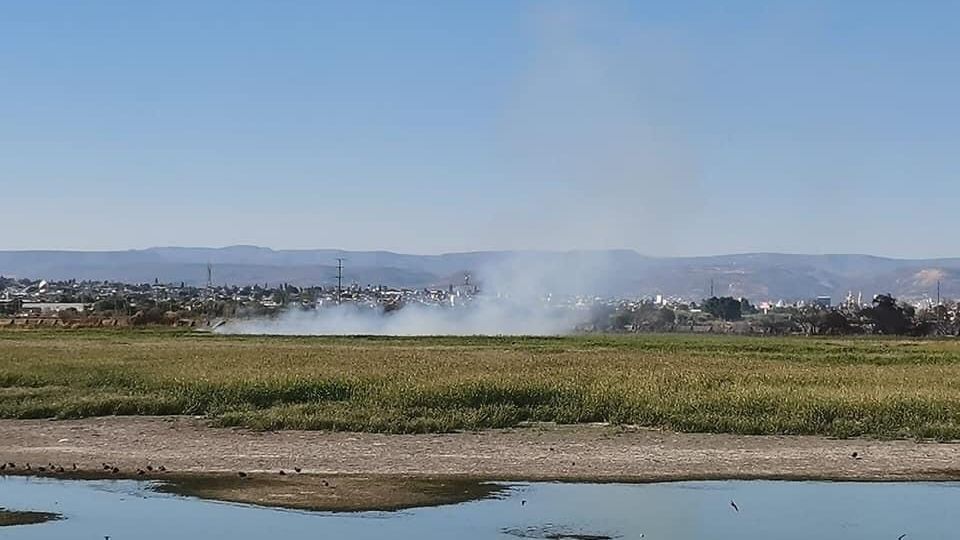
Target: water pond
{"type": "Point", "coordinates": [684, 510]}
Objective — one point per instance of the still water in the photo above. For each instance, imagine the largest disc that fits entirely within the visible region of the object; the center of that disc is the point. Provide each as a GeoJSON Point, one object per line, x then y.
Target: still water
{"type": "Point", "coordinates": [685, 510]}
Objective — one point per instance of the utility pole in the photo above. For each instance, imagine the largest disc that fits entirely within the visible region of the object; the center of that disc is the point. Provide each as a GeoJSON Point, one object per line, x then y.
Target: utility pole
{"type": "Point", "coordinates": [339, 280]}
{"type": "Point", "coordinates": [711, 288]}
{"type": "Point", "coordinates": [938, 292]}
{"type": "Point", "coordinates": [209, 276]}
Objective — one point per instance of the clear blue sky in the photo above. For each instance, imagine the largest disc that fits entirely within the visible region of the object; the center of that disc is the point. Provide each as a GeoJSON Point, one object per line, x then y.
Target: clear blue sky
{"type": "Point", "coordinates": [666, 127]}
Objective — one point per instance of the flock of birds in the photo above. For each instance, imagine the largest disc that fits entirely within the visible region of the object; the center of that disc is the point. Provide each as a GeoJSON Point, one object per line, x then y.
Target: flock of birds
{"type": "Point", "coordinates": [105, 468]}
{"type": "Point", "coordinates": [54, 468]}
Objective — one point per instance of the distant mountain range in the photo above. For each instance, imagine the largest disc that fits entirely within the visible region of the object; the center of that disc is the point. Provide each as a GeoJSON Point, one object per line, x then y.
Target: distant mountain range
{"type": "Point", "coordinates": [759, 276]}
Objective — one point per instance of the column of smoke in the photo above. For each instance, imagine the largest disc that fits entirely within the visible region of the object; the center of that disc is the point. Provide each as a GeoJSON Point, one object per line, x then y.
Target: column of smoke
{"type": "Point", "coordinates": [592, 151]}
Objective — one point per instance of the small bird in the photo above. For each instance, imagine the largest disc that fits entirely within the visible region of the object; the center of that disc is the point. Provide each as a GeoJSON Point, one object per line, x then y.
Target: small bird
{"type": "Point", "coordinates": [115, 470]}
{"type": "Point", "coordinates": [75, 467]}
{"type": "Point", "coordinates": [59, 468]}
{"type": "Point", "coordinates": [106, 467]}
{"type": "Point", "coordinates": [734, 505]}
{"type": "Point", "coordinates": [12, 465]}
{"type": "Point", "coordinates": [3, 467]}
{"type": "Point", "coordinates": [41, 469]}
{"type": "Point", "coordinates": [28, 466]}
{"type": "Point", "coordinates": [242, 474]}
{"type": "Point", "coordinates": [855, 455]}
{"type": "Point", "coordinates": [282, 473]}
{"type": "Point", "coordinates": [162, 468]}
{"type": "Point", "coordinates": [326, 484]}
{"type": "Point", "coordinates": [141, 472]}
{"type": "Point", "coordinates": [297, 469]}
{"type": "Point", "coordinates": [150, 468]}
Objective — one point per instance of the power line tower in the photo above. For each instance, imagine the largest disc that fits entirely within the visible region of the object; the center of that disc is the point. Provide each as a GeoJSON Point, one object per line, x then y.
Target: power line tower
{"type": "Point", "coordinates": [339, 280]}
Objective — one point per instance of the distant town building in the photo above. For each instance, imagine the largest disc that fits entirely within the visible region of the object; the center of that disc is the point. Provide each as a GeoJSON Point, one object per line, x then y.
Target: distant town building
{"type": "Point", "coordinates": [51, 308]}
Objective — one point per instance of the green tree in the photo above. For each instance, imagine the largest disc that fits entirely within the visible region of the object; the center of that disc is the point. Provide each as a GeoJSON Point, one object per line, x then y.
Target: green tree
{"type": "Point", "coordinates": [725, 308]}
{"type": "Point", "coordinates": [889, 317]}
{"type": "Point", "coordinates": [834, 323]}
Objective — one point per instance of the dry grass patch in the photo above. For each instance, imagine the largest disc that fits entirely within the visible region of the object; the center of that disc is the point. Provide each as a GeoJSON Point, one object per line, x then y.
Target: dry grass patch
{"type": "Point", "coordinates": [838, 387]}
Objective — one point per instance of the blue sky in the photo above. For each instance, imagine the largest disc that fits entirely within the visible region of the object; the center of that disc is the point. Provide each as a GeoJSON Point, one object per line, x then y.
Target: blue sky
{"type": "Point", "coordinates": [672, 128]}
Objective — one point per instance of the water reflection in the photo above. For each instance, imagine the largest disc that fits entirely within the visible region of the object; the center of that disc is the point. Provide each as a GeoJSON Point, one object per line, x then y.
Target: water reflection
{"type": "Point", "coordinates": [680, 511]}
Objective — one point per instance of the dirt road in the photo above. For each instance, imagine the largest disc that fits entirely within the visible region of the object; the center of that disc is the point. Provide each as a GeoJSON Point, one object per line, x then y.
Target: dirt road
{"type": "Point", "coordinates": [189, 445]}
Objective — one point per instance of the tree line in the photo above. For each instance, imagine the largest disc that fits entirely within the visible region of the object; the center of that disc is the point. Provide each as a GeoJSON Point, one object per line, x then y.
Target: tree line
{"type": "Point", "coordinates": [885, 316]}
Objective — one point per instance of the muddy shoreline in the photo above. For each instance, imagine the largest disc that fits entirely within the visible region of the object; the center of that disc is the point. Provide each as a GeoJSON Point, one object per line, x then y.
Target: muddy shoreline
{"type": "Point", "coordinates": [11, 518]}
{"type": "Point", "coordinates": [376, 471]}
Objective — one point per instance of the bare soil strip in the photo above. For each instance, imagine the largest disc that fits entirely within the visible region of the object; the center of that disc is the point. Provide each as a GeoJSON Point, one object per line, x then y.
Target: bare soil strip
{"type": "Point", "coordinates": [396, 471]}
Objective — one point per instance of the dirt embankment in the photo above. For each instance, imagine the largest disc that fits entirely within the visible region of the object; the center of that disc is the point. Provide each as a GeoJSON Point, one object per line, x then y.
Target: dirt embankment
{"type": "Point", "coordinates": [369, 470]}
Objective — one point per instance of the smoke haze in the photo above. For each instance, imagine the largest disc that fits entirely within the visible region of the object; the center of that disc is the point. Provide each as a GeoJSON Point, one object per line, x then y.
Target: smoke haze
{"type": "Point", "coordinates": [521, 295]}
{"type": "Point", "coordinates": [480, 318]}
{"type": "Point", "coordinates": [586, 148]}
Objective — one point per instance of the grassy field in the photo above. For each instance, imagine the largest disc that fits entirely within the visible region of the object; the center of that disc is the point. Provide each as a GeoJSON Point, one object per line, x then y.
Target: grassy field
{"type": "Point", "coordinates": [840, 387]}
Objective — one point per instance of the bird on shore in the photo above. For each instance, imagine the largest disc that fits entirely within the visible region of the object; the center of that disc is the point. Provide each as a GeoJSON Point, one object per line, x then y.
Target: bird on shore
{"type": "Point", "coordinates": [27, 467]}
{"type": "Point", "coordinates": [115, 470]}
{"type": "Point", "coordinates": [297, 469]}
{"type": "Point", "coordinates": [75, 467]}
{"type": "Point", "coordinates": [326, 484]}
{"type": "Point", "coordinates": [3, 467]}
{"type": "Point", "coordinates": [41, 469]}
{"type": "Point", "coordinates": [59, 468]}
{"type": "Point", "coordinates": [242, 474]}
{"type": "Point", "coordinates": [106, 467]}
{"type": "Point", "coordinates": [12, 465]}
{"type": "Point", "coordinates": [734, 505]}
{"type": "Point", "coordinates": [141, 472]}
{"type": "Point", "coordinates": [282, 473]}
{"type": "Point", "coordinates": [162, 468]}
{"type": "Point", "coordinates": [150, 468]}
{"type": "Point", "coordinates": [856, 455]}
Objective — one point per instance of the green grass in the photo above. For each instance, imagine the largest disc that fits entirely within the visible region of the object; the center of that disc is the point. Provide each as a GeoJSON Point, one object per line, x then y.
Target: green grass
{"type": "Point", "coordinates": [838, 387]}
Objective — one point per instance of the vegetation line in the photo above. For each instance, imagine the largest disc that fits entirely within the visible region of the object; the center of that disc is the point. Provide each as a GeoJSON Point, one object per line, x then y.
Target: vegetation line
{"type": "Point", "coordinates": [837, 387]}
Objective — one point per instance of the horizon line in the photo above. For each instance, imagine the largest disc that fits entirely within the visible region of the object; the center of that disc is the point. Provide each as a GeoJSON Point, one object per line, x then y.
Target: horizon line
{"type": "Point", "coordinates": [481, 251]}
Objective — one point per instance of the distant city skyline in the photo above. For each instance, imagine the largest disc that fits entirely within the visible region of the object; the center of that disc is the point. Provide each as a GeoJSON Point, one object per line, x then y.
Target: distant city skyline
{"type": "Point", "coordinates": [677, 129]}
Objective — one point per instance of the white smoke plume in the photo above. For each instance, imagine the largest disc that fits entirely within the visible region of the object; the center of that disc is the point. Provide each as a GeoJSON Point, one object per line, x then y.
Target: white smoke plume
{"type": "Point", "coordinates": [523, 294]}
{"type": "Point", "coordinates": [597, 162]}
{"type": "Point", "coordinates": [480, 318]}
